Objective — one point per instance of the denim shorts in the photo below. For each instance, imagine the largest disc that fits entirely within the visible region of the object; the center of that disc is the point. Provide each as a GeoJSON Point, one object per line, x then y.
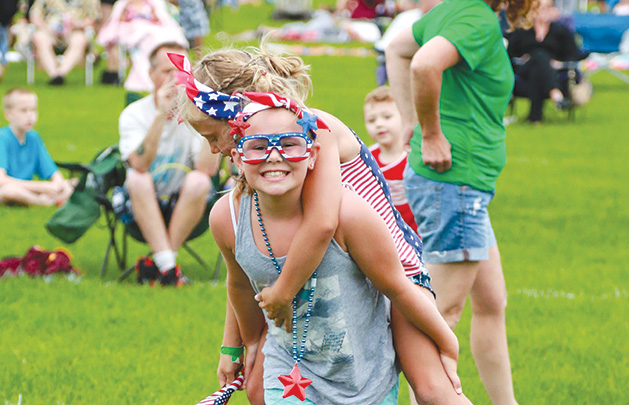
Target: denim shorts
{"type": "Point", "coordinates": [273, 396]}
{"type": "Point", "coordinates": [451, 219]}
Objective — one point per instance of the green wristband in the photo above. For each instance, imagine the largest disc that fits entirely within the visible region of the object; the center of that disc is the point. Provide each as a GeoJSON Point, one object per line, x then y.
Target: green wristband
{"type": "Point", "coordinates": [235, 352]}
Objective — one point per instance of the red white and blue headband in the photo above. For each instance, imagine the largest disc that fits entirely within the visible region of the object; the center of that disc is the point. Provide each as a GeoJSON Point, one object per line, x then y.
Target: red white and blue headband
{"type": "Point", "coordinates": [224, 106]}
{"type": "Point", "coordinates": [264, 101]}
{"type": "Point", "coordinates": [214, 103]}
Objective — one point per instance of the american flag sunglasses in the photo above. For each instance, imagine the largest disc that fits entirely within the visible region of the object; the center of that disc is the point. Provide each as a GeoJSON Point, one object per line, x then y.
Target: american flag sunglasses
{"type": "Point", "coordinates": [293, 146]}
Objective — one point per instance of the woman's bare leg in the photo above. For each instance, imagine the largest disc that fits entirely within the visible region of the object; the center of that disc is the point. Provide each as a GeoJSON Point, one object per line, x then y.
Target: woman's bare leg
{"type": "Point", "coordinates": [488, 336]}
{"type": "Point", "coordinates": [484, 282]}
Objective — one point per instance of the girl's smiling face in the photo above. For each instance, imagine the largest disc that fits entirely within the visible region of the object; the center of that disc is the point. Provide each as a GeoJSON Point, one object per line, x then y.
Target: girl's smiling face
{"type": "Point", "coordinates": [275, 175]}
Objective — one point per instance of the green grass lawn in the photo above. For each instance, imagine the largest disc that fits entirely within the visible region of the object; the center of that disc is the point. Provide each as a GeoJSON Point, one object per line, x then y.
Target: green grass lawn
{"type": "Point", "coordinates": [561, 216]}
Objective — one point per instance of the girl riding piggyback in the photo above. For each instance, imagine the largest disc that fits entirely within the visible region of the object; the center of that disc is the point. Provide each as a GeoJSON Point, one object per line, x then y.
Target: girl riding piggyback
{"type": "Point", "coordinates": [326, 357]}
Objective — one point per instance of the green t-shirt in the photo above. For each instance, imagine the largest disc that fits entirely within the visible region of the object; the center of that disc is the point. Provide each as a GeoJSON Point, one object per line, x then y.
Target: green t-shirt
{"type": "Point", "coordinates": [474, 94]}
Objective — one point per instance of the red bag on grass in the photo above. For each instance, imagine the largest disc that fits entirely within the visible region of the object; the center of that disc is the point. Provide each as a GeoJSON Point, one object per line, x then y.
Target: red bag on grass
{"type": "Point", "coordinates": [39, 262]}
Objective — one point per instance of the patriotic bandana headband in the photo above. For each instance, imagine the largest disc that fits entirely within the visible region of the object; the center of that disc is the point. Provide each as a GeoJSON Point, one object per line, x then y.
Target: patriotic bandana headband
{"type": "Point", "coordinates": [264, 101]}
{"type": "Point", "coordinates": [214, 103]}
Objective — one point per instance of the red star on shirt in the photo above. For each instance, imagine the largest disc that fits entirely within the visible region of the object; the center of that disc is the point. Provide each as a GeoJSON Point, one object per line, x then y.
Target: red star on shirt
{"type": "Point", "coordinates": [295, 384]}
{"type": "Point", "coordinates": [238, 126]}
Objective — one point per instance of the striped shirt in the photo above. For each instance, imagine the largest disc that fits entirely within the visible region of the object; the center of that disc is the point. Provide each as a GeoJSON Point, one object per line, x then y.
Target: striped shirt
{"type": "Point", "coordinates": [394, 174]}
{"type": "Point", "coordinates": [363, 175]}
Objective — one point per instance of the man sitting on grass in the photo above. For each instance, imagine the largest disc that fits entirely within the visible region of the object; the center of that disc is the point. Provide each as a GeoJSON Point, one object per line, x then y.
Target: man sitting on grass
{"type": "Point", "coordinates": [23, 155]}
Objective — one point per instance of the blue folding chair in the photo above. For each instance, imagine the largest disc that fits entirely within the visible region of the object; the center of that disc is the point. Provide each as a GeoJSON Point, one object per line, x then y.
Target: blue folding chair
{"type": "Point", "coordinates": [601, 35]}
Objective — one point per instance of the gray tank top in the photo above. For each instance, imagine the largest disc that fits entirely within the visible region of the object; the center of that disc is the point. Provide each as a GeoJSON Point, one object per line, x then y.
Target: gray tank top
{"type": "Point", "coordinates": [349, 350]}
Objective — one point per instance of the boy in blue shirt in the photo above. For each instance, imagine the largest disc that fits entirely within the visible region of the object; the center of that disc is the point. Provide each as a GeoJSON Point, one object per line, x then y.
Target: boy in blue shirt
{"type": "Point", "coordinates": [24, 156]}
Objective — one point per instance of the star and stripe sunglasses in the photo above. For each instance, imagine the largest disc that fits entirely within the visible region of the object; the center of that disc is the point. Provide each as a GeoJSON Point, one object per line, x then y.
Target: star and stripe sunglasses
{"type": "Point", "coordinates": [293, 146]}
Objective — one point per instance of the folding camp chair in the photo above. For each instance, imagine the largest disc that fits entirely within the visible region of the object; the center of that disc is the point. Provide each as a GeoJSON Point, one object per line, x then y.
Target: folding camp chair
{"type": "Point", "coordinates": [569, 74]}
{"type": "Point", "coordinates": [93, 197]}
{"type": "Point", "coordinates": [602, 35]}
{"type": "Point", "coordinates": [132, 230]}
{"type": "Point", "coordinates": [90, 199]}
{"type": "Point", "coordinates": [28, 51]}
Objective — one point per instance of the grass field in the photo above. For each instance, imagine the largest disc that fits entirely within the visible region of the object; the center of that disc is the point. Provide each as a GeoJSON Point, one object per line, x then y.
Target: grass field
{"type": "Point", "coordinates": [561, 216]}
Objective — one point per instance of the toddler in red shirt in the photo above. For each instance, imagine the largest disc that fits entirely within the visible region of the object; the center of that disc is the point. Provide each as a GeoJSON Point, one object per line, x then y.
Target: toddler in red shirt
{"type": "Point", "coordinates": [384, 125]}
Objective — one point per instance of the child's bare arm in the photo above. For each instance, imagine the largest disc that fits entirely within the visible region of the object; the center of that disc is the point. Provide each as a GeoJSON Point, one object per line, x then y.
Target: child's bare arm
{"type": "Point", "coordinates": [244, 320]}
{"type": "Point", "coordinates": [361, 228]}
{"type": "Point", "coordinates": [248, 315]}
{"type": "Point", "coordinates": [321, 198]}
{"type": "Point", "coordinates": [35, 186]}
{"type": "Point", "coordinates": [229, 364]}
{"type": "Point", "coordinates": [59, 181]}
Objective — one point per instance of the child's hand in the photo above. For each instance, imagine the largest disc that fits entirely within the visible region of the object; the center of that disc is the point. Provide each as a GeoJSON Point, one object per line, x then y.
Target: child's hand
{"type": "Point", "coordinates": [227, 369]}
{"type": "Point", "coordinates": [281, 312]}
{"type": "Point", "coordinates": [449, 365]}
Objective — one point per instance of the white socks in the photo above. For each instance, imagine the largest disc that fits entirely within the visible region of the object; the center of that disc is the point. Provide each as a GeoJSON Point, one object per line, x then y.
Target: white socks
{"type": "Point", "coordinates": [165, 260]}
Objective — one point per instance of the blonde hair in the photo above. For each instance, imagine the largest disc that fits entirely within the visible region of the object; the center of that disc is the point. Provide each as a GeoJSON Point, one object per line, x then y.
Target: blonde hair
{"type": "Point", "coordinates": [253, 69]}
{"type": "Point", "coordinates": [8, 98]}
{"type": "Point", "coordinates": [380, 94]}
{"type": "Point", "coordinates": [519, 13]}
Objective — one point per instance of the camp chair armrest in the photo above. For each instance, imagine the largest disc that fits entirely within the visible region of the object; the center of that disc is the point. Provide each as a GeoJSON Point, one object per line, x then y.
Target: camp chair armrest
{"type": "Point", "coordinates": [73, 167]}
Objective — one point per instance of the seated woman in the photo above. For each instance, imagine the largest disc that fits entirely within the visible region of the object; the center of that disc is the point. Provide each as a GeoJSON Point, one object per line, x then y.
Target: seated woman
{"type": "Point", "coordinates": [59, 24]}
{"type": "Point", "coordinates": [139, 26]}
{"type": "Point", "coordinates": [537, 49]}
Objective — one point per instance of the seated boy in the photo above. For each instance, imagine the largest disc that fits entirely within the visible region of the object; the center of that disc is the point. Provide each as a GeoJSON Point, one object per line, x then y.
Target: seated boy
{"type": "Point", "coordinates": [23, 155]}
{"type": "Point", "coordinates": [384, 126]}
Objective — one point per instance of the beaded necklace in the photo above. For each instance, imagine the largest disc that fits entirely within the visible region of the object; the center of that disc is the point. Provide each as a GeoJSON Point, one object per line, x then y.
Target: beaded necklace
{"type": "Point", "coordinates": [294, 383]}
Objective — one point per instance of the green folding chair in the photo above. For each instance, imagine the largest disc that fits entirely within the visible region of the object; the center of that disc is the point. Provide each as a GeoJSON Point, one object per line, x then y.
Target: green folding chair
{"type": "Point", "coordinates": [92, 198]}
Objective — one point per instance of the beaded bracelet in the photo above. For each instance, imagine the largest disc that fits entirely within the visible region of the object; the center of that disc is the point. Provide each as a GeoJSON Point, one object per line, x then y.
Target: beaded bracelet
{"type": "Point", "coordinates": [235, 352]}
